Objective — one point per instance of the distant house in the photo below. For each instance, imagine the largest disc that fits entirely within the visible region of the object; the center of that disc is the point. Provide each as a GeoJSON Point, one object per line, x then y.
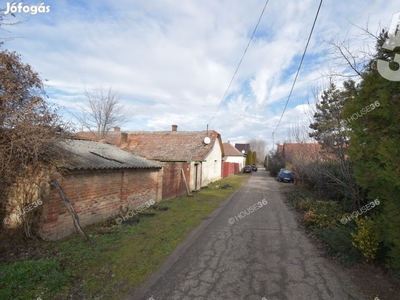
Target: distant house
{"type": "Point", "coordinates": [99, 180]}
{"type": "Point", "coordinates": [243, 148]}
{"type": "Point", "coordinates": [192, 155]}
{"type": "Point", "coordinates": [300, 152]}
{"type": "Point", "coordinates": [297, 156]}
{"type": "Point", "coordinates": [232, 156]}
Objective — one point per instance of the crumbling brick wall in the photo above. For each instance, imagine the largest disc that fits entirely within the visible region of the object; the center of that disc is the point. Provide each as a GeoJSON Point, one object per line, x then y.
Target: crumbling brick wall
{"type": "Point", "coordinates": [173, 183]}
{"type": "Point", "coordinates": [95, 196]}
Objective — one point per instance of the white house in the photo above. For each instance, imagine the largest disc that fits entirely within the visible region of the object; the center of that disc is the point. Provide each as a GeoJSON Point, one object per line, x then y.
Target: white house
{"type": "Point", "coordinates": [212, 161]}
{"type": "Point", "coordinates": [233, 155]}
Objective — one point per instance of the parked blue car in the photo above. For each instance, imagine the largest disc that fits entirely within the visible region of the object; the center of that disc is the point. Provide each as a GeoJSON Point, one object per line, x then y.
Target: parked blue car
{"type": "Point", "coordinates": [285, 175]}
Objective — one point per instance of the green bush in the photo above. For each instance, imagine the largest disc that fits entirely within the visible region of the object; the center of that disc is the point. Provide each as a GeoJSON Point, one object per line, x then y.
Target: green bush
{"type": "Point", "coordinates": [305, 205]}
{"type": "Point", "coordinates": [340, 241]}
{"type": "Point", "coordinates": [366, 238]}
{"type": "Point", "coordinates": [390, 232]}
{"type": "Point", "coordinates": [321, 213]}
{"type": "Point", "coordinates": [276, 163]}
{"type": "Point", "coordinates": [296, 195]}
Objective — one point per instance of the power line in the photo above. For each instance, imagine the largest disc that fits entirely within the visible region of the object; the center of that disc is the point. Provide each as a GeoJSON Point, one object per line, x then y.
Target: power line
{"type": "Point", "coordinates": [240, 62]}
{"type": "Point", "coordinates": [298, 70]}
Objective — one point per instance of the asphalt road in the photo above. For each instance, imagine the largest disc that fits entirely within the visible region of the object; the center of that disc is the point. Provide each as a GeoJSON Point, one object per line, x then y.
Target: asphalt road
{"type": "Point", "coordinates": [257, 253]}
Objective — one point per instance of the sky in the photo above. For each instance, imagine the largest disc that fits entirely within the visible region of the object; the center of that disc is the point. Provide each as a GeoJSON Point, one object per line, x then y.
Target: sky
{"type": "Point", "coordinates": [172, 60]}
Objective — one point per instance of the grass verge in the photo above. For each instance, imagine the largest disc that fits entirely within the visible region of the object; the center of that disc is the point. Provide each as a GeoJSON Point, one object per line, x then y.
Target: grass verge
{"type": "Point", "coordinates": [322, 219]}
{"type": "Point", "coordinates": [117, 258]}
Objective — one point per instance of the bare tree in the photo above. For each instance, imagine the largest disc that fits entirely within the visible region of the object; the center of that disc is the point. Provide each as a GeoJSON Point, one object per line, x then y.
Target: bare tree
{"type": "Point", "coordinates": [326, 166]}
{"type": "Point", "coordinates": [259, 146]}
{"type": "Point", "coordinates": [5, 21]}
{"type": "Point", "coordinates": [29, 132]}
{"type": "Point", "coordinates": [351, 59]}
{"type": "Point", "coordinates": [102, 111]}
{"type": "Point", "coordinates": [348, 58]}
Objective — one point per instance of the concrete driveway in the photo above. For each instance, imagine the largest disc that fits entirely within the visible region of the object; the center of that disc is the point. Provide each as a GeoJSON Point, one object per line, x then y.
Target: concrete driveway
{"type": "Point", "coordinates": [251, 248]}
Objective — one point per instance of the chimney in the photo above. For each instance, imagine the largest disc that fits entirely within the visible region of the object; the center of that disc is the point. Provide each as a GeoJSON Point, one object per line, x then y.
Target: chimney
{"type": "Point", "coordinates": [174, 127]}
{"type": "Point", "coordinates": [117, 129]}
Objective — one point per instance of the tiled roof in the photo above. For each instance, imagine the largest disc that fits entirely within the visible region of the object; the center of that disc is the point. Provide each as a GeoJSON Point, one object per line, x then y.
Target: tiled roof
{"type": "Point", "coordinates": [112, 137]}
{"type": "Point", "coordinates": [301, 150]}
{"type": "Point", "coordinates": [241, 147]}
{"type": "Point", "coordinates": [280, 149]}
{"type": "Point", "coordinates": [89, 155]}
{"type": "Point", "coordinates": [172, 145]}
{"type": "Point", "coordinates": [229, 150]}
{"type": "Point", "coordinates": [307, 150]}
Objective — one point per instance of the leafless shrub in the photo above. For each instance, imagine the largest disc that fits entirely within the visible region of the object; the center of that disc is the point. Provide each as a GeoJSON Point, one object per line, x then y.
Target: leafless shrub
{"type": "Point", "coordinates": [29, 132]}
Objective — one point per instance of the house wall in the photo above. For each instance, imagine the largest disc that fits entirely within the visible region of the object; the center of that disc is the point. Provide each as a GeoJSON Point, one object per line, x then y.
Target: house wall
{"type": "Point", "coordinates": [173, 183]}
{"type": "Point", "coordinates": [96, 196]}
{"type": "Point", "coordinates": [235, 159]}
{"type": "Point", "coordinates": [212, 166]}
{"type": "Point", "coordinates": [195, 175]}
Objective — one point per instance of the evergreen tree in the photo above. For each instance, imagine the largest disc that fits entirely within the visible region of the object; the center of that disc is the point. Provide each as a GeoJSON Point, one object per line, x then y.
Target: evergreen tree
{"type": "Point", "coordinates": [328, 123]}
{"type": "Point", "coordinates": [249, 158]}
{"type": "Point", "coordinates": [330, 131]}
{"type": "Point", "coordinates": [374, 122]}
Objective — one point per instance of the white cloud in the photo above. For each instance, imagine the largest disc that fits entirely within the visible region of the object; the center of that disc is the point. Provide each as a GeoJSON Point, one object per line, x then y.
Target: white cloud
{"type": "Point", "coordinates": [179, 56]}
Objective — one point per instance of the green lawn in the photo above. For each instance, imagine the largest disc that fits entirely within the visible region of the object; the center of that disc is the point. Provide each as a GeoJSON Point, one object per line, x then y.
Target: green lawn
{"type": "Point", "coordinates": [118, 257]}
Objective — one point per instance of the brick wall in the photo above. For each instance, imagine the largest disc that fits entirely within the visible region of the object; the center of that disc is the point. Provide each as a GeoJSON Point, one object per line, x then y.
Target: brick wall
{"type": "Point", "coordinates": [173, 183]}
{"type": "Point", "coordinates": [95, 196]}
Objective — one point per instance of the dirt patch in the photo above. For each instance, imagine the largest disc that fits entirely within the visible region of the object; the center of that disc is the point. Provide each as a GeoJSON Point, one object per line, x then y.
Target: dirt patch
{"type": "Point", "coordinates": [13, 249]}
{"type": "Point", "coordinates": [375, 281]}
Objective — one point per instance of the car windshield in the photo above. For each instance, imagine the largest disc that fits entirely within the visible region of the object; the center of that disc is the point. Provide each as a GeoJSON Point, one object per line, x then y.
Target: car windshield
{"type": "Point", "coordinates": [285, 171]}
